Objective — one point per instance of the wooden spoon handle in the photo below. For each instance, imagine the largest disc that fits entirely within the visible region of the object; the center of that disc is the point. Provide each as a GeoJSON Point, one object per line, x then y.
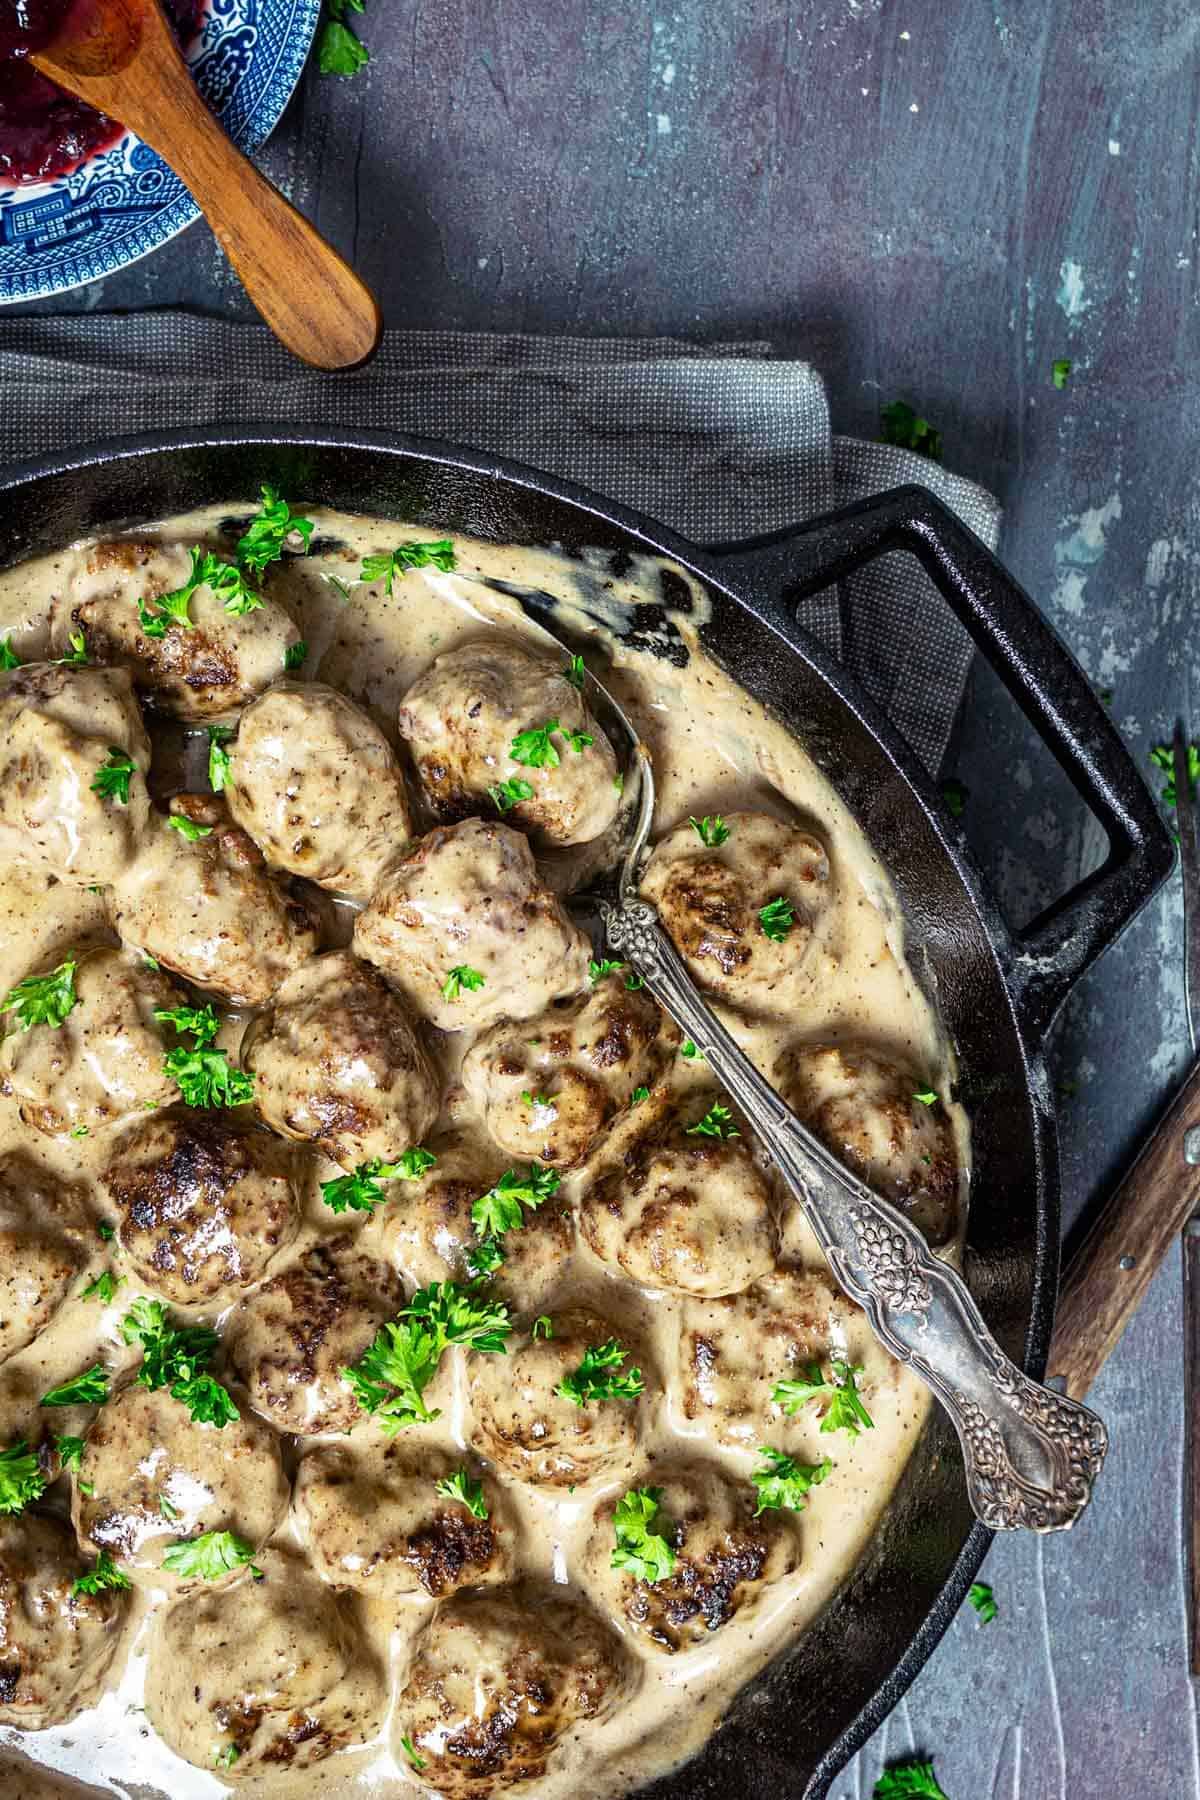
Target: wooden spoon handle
{"type": "Point", "coordinates": [1191, 1427]}
{"type": "Point", "coordinates": [1107, 1278]}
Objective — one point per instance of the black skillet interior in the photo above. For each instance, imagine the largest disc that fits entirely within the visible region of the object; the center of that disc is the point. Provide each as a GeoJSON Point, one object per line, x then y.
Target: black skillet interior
{"type": "Point", "coordinates": [792, 1729]}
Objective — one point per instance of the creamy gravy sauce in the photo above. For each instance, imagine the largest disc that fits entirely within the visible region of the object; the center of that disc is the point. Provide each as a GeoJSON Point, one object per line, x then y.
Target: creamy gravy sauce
{"type": "Point", "coordinates": [715, 749]}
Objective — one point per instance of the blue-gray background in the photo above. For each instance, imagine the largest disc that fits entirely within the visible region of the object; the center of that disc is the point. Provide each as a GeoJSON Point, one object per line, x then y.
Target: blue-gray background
{"type": "Point", "coordinates": [933, 200]}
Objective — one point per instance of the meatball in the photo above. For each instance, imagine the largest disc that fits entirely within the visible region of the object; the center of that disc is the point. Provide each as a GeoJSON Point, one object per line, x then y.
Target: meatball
{"type": "Point", "coordinates": [208, 910]}
{"type": "Point", "coordinates": [731, 1352]}
{"type": "Point", "coordinates": [290, 1342]}
{"type": "Point", "coordinates": [684, 1211]}
{"type": "Point", "coordinates": [429, 1236]}
{"type": "Point", "coordinates": [498, 1679]}
{"type": "Point", "coordinates": [336, 1061]}
{"type": "Point", "coordinates": [42, 1249]}
{"type": "Point", "coordinates": [376, 1521]}
{"type": "Point", "coordinates": [465, 929]}
{"type": "Point", "coordinates": [150, 1474]}
{"type": "Point", "coordinates": [462, 719]}
{"type": "Point", "coordinates": [195, 672]}
{"type": "Point", "coordinates": [724, 1558]}
{"type": "Point", "coordinates": [105, 1060]}
{"type": "Point", "coordinates": [206, 1202]}
{"type": "Point", "coordinates": [539, 1435]}
{"type": "Point", "coordinates": [863, 1105]}
{"type": "Point", "coordinates": [318, 787]}
{"type": "Point", "coordinates": [59, 727]}
{"type": "Point", "coordinates": [274, 1670]}
{"type": "Point", "coordinates": [711, 900]}
{"type": "Point", "coordinates": [549, 1086]}
{"type": "Point", "coordinates": [55, 1645]}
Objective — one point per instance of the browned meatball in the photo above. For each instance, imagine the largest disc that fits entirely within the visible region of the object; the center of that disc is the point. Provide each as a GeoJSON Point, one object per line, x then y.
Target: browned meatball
{"type": "Point", "coordinates": [194, 672]}
{"type": "Point", "coordinates": [206, 1203]}
{"type": "Point", "coordinates": [59, 727]}
{"type": "Point", "coordinates": [548, 1086]}
{"type": "Point", "coordinates": [375, 1520]}
{"type": "Point", "coordinates": [464, 717]}
{"type": "Point", "coordinates": [150, 1474]}
{"type": "Point", "coordinates": [468, 898]}
{"type": "Point", "coordinates": [318, 787]}
{"type": "Point", "coordinates": [863, 1104]}
{"type": "Point", "coordinates": [55, 1645]}
{"type": "Point", "coordinates": [275, 1670]}
{"type": "Point", "coordinates": [105, 1061]}
{"type": "Point", "coordinates": [711, 900]}
{"type": "Point", "coordinates": [541, 1436]}
{"type": "Point", "coordinates": [208, 909]}
{"type": "Point", "coordinates": [336, 1061]}
{"type": "Point", "coordinates": [497, 1680]}
{"type": "Point", "coordinates": [686, 1212]}
{"type": "Point", "coordinates": [290, 1342]}
{"type": "Point", "coordinates": [724, 1558]}
{"type": "Point", "coordinates": [42, 1249]}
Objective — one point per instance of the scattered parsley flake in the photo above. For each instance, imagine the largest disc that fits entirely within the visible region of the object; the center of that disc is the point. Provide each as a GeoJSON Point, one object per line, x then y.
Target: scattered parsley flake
{"type": "Point", "coordinates": [633, 983]}
{"type": "Point", "coordinates": [534, 748]}
{"type": "Point", "coordinates": [78, 1131]}
{"type": "Point", "coordinates": [361, 1192]}
{"type": "Point", "coordinates": [575, 672]}
{"type": "Point", "coordinates": [294, 655]}
{"type": "Point", "coordinates": [1061, 373]}
{"type": "Point", "coordinates": [844, 1410]}
{"type": "Point", "coordinates": [507, 794]}
{"type": "Point", "coordinates": [602, 1376]}
{"type": "Point", "coordinates": [716, 1123]}
{"type": "Point", "coordinates": [413, 1755]}
{"type": "Point", "coordinates": [70, 1451]}
{"type": "Point", "coordinates": [909, 1781]}
{"type": "Point", "coordinates": [927, 1097]}
{"type": "Point", "coordinates": [219, 760]}
{"type": "Point", "coordinates": [485, 1257]}
{"type": "Point", "coordinates": [598, 970]}
{"type": "Point", "coordinates": [88, 1389]}
{"type": "Point", "coordinates": [268, 532]}
{"type": "Point", "coordinates": [103, 1288]}
{"type": "Point", "coordinates": [207, 1078]}
{"type": "Point", "coordinates": [77, 656]}
{"type": "Point", "coordinates": [984, 1601]}
{"type": "Point", "coordinates": [461, 977]}
{"type": "Point", "coordinates": [207, 1557]}
{"type": "Point", "coordinates": [43, 999]}
{"type": "Point", "coordinates": [21, 1479]}
{"type": "Point", "coordinates": [107, 1232]}
{"type": "Point", "coordinates": [390, 563]}
{"type": "Point", "coordinates": [390, 1378]}
{"type": "Point", "coordinates": [1162, 756]}
{"type": "Point", "coordinates": [541, 1327]}
{"type": "Point", "coordinates": [711, 830]}
{"type": "Point", "coordinates": [113, 777]}
{"type": "Point", "coordinates": [644, 1549]}
{"type": "Point", "coordinates": [903, 427]}
{"type": "Point", "coordinates": [166, 1508]}
{"type": "Point", "coordinates": [102, 1574]}
{"type": "Point", "coordinates": [688, 1049]}
{"type": "Point", "coordinates": [188, 828]}
{"type": "Point", "coordinates": [638, 1095]}
{"type": "Point", "coordinates": [784, 1482]}
{"type": "Point", "coordinates": [8, 656]}
{"type": "Point", "coordinates": [225, 1755]}
{"type": "Point", "coordinates": [501, 1209]}
{"type": "Point", "coordinates": [777, 918]}
{"type": "Point", "coordinates": [466, 1490]}
{"type": "Point", "coordinates": [178, 1358]}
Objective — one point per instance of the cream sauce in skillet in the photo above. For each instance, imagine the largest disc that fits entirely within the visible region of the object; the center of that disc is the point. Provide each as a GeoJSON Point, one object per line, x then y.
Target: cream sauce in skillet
{"type": "Point", "coordinates": [715, 749]}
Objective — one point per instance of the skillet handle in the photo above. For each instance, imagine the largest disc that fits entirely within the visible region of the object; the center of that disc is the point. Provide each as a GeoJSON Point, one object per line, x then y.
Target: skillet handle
{"type": "Point", "coordinates": [1040, 674]}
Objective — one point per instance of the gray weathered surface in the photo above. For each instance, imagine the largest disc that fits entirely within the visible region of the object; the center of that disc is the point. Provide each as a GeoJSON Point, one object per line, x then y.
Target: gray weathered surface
{"type": "Point", "coordinates": [930, 201]}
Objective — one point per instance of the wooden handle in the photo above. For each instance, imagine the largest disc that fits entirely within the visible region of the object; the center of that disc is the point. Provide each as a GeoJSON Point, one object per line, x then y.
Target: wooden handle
{"type": "Point", "coordinates": [1107, 1279]}
{"type": "Point", "coordinates": [1191, 1466]}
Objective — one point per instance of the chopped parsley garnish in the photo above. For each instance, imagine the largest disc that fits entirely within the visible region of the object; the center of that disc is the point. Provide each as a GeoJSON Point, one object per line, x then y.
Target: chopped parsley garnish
{"type": "Point", "coordinates": [784, 1482]}
{"type": "Point", "coordinates": [102, 1574]}
{"type": "Point", "coordinates": [501, 1209]}
{"type": "Point", "coordinates": [188, 828]}
{"type": "Point", "coordinates": [361, 1191]}
{"type": "Point", "coordinates": [575, 672]}
{"type": "Point", "coordinates": [8, 656]}
{"type": "Point", "coordinates": [165, 1507]}
{"type": "Point", "coordinates": [410, 1750]}
{"type": "Point", "coordinates": [102, 1287]}
{"type": "Point", "coordinates": [688, 1049]}
{"type": "Point", "coordinates": [1061, 373]}
{"type": "Point", "coordinates": [541, 1327]}
{"type": "Point", "coordinates": [638, 1095]}
{"type": "Point", "coordinates": [204, 1076]}
{"type": "Point", "coordinates": [268, 532]}
{"type": "Point", "coordinates": [844, 1410]}
{"type": "Point", "coordinates": [461, 977]}
{"type": "Point", "coordinates": [70, 1451]}
{"type": "Point", "coordinates": [777, 918]}
{"type": "Point", "coordinates": [294, 655]}
{"type": "Point", "coordinates": [644, 1548]}
{"type": "Point", "coordinates": [225, 1755]}
{"type": "Point", "coordinates": [954, 793]}
{"type": "Point", "coordinates": [485, 1257]}
{"type": "Point", "coordinates": [199, 1022]}
{"type": "Point", "coordinates": [984, 1601]}
{"type": "Point", "coordinates": [390, 563]}
{"type": "Point", "coordinates": [711, 830]}
{"type": "Point", "coordinates": [391, 1377]}
{"type": "Point", "coordinates": [909, 1781]}
{"type": "Point", "coordinates": [77, 656]}
{"type": "Point", "coordinates": [1163, 758]}
{"type": "Point", "coordinates": [178, 1358]}
{"type": "Point", "coordinates": [716, 1123]}
{"type": "Point", "coordinates": [927, 1097]}
{"type": "Point", "coordinates": [107, 1232]}
{"type": "Point", "coordinates": [78, 1131]}
{"type": "Point", "coordinates": [227, 582]}
{"type": "Point", "coordinates": [209, 1556]}
{"type": "Point", "coordinates": [88, 1389]}
{"type": "Point", "coordinates": [507, 794]}
{"type": "Point", "coordinates": [219, 760]}
{"type": "Point", "coordinates": [601, 1376]}
{"type": "Point", "coordinates": [903, 427]}
{"type": "Point", "coordinates": [21, 1480]}
{"type": "Point", "coordinates": [113, 777]}
{"type": "Point", "coordinates": [43, 999]}
{"type": "Point", "coordinates": [466, 1490]}
{"type": "Point", "coordinates": [535, 749]}
{"type": "Point", "coordinates": [537, 1100]}
{"type": "Point", "coordinates": [598, 970]}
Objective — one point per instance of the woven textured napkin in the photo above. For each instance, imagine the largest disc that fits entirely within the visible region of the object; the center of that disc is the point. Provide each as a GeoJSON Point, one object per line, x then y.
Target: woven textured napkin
{"type": "Point", "coordinates": [721, 443]}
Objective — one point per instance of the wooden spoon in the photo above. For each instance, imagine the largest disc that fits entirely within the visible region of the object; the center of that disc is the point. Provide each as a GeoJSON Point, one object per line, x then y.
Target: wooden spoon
{"type": "Point", "coordinates": [121, 57]}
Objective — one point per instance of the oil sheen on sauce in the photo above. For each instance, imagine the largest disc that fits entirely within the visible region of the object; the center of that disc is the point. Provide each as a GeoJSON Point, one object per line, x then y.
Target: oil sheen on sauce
{"type": "Point", "coordinates": [715, 749]}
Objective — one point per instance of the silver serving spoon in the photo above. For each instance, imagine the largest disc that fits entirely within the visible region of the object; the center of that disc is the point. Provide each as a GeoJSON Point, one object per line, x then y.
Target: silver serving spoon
{"type": "Point", "coordinates": [1031, 1455]}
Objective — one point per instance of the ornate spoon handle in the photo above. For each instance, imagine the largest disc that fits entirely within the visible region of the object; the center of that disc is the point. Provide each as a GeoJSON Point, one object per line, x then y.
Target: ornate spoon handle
{"type": "Point", "coordinates": [1031, 1455]}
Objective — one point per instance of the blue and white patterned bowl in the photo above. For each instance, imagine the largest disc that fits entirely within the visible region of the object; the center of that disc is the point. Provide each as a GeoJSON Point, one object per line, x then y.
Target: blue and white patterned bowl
{"type": "Point", "coordinates": [124, 202]}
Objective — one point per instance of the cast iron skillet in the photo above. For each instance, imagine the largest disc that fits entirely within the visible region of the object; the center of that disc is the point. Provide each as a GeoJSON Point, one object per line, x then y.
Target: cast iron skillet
{"type": "Point", "coordinates": [793, 1728]}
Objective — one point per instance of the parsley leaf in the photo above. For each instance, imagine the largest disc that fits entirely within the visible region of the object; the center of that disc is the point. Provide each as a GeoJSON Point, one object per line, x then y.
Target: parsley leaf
{"type": "Point", "coordinates": [102, 1288]}
{"type": "Point", "coordinates": [207, 1078]}
{"type": "Point", "coordinates": [390, 563]}
{"type": "Point", "coordinates": [711, 830]}
{"type": "Point", "coordinates": [533, 747]}
{"type": "Point", "coordinates": [199, 1022]}
{"type": "Point", "coordinates": [500, 1209]}
{"type": "Point", "coordinates": [188, 828]}
{"type": "Point", "coordinates": [598, 970]}
{"type": "Point", "coordinates": [207, 1557]}
{"type": "Point", "coordinates": [70, 1451]}
{"type": "Point", "coordinates": [466, 1490]}
{"type": "Point", "coordinates": [716, 1123]}
{"type": "Point", "coordinates": [777, 918]}
{"type": "Point", "coordinates": [294, 655]}
{"type": "Point", "coordinates": [508, 794]}
{"type": "Point", "coordinates": [1061, 372]}
{"type": "Point", "coordinates": [844, 1411]}
{"type": "Point", "coordinates": [225, 1755]}
{"type": "Point", "coordinates": [226, 581]}
{"type": "Point", "coordinates": [361, 1191]}
{"type": "Point", "coordinates": [102, 1574]}
{"type": "Point", "coordinates": [784, 1483]}
{"type": "Point", "coordinates": [689, 1050]}
{"type": "Point", "coordinates": [340, 51]}
{"type": "Point", "coordinates": [460, 977]}
{"type": "Point", "coordinates": [541, 1327]}
{"type": "Point", "coordinates": [268, 532]}
{"type": "Point", "coordinates": [77, 656]}
{"type": "Point", "coordinates": [390, 1378]}
{"type": "Point", "coordinates": [638, 1095]}
{"type": "Point", "coordinates": [107, 1232]}
{"type": "Point", "coordinates": [600, 1376]}
{"type": "Point", "coordinates": [43, 999]}
{"type": "Point", "coordinates": [21, 1480]}
{"type": "Point", "coordinates": [165, 1507]}
{"type": "Point", "coordinates": [901, 426]}
{"type": "Point", "coordinates": [112, 778]}
{"type": "Point", "coordinates": [219, 760]}
{"type": "Point", "coordinates": [485, 1257]}
{"type": "Point", "coordinates": [88, 1389]}
{"type": "Point", "coordinates": [984, 1601]}
{"type": "Point", "coordinates": [575, 672]}
{"type": "Point", "coordinates": [8, 656]}
{"type": "Point", "coordinates": [1163, 758]}
{"type": "Point", "coordinates": [410, 1750]}
{"type": "Point", "coordinates": [644, 1548]}
{"type": "Point", "coordinates": [909, 1781]}
{"type": "Point", "coordinates": [178, 1358]}
{"type": "Point", "coordinates": [927, 1097]}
